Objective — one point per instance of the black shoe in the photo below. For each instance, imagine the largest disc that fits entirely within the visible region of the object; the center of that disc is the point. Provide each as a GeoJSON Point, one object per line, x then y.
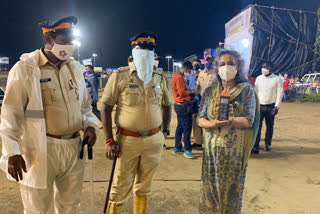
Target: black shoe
{"type": "Point", "coordinates": [267, 148]}
{"type": "Point", "coordinates": [196, 146]}
{"type": "Point", "coordinates": [254, 151]}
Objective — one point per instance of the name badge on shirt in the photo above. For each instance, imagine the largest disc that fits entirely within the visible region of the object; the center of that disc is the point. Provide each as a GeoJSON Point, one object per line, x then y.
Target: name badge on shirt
{"type": "Point", "coordinates": [45, 80]}
{"type": "Point", "coordinates": [133, 86]}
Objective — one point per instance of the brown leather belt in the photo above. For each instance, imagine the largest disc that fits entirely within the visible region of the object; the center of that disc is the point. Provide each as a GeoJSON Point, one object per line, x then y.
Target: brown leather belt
{"type": "Point", "coordinates": [139, 134]}
{"type": "Point", "coordinates": [65, 137]}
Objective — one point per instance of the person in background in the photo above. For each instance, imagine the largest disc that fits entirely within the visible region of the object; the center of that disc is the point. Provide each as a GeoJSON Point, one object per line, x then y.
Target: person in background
{"type": "Point", "coordinates": [291, 81]}
{"type": "Point", "coordinates": [281, 77]}
{"type": "Point", "coordinates": [192, 83]}
{"type": "Point", "coordinates": [194, 74]}
{"type": "Point", "coordinates": [285, 88]}
{"type": "Point", "coordinates": [270, 92]}
{"type": "Point", "coordinates": [207, 77]}
{"type": "Point", "coordinates": [45, 107]}
{"type": "Point", "coordinates": [181, 95]}
{"type": "Point", "coordinates": [92, 83]}
{"type": "Point", "coordinates": [130, 60]}
{"type": "Point", "coordinates": [160, 79]}
{"type": "Point", "coordinates": [228, 143]}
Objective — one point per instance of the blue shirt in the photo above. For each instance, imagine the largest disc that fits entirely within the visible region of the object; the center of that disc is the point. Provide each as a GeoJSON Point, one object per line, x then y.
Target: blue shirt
{"type": "Point", "coordinates": [93, 85]}
{"type": "Point", "coordinates": [192, 81]}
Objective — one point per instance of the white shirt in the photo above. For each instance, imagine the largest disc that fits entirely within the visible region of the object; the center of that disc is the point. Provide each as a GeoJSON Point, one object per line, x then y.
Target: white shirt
{"type": "Point", "coordinates": [269, 89]}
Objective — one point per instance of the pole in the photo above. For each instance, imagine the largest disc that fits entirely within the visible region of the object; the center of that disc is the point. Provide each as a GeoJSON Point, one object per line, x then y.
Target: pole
{"type": "Point", "coordinates": [78, 53]}
{"type": "Point", "coordinates": [91, 179]}
{"type": "Point", "coordinates": [110, 183]}
{"type": "Point", "coordinates": [168, 65]}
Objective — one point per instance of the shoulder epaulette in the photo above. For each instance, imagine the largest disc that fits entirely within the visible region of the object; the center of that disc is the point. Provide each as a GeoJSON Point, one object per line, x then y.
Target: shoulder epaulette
{"type": "Point", "coordinates": [158, 72]}
{"type": "Point", "coordinates": [123, 68]}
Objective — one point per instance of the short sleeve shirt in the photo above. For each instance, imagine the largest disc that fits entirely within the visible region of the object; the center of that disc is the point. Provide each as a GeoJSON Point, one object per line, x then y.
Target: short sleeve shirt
{"type": "Point", "coordinates": [206, 80]}
{"type": "Point", "coordinates": [60, 98]}
{"type": "Point", "coordinates": [138, 106]}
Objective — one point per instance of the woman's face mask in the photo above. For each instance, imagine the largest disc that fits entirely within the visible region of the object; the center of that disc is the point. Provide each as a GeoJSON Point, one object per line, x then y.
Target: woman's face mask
{"type": "Point", "coordinates": [227, 72]}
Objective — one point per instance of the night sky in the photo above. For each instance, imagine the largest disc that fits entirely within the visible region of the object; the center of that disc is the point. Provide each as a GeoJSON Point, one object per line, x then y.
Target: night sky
{"type": "Point", "coordinates": [184, 27]}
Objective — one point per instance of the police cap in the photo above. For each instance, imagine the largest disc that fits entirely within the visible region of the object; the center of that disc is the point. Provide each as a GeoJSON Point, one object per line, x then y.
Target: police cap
{"type": "Point", "coordinates": [145, 40]}
{"type": "Point", "coordinates": [62, 26]}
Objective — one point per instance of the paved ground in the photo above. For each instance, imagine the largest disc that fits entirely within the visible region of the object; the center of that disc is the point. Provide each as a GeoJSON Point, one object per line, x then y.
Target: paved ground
{"type": "Point", "coordinates": [285, 181]}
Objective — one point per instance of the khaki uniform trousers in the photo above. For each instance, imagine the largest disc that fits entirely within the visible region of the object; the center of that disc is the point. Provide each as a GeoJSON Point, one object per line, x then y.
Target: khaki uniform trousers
{"type": "Point", "coordinates": [139, 160]}
{"type": "Point", "coordinates": [197, 131]}
{"type": "Point", "coordinates": [64, 173]}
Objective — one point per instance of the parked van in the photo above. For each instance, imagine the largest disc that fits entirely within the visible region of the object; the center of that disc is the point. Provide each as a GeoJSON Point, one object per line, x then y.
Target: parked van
{"type": "Point", "coordinates": [310, 80]}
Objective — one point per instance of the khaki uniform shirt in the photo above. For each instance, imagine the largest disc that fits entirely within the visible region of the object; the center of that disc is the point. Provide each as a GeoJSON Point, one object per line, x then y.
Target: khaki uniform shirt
{"type": "Point", "coordinates": [138, 105]}
{"type": "Point", "coordinates": [160, 79]}
{"type": "Point", "coordinates": [60, 98]}
{"type": "Point", "coordinates": [206, 80]}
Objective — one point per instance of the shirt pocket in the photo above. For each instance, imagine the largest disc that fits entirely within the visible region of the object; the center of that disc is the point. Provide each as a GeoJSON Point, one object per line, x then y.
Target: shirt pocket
{"type": "Point", "coordinates": [48, 91]}
{"type": "Point", "coordinates": [131, 97]}
{"type": "Point", "coordinates": [156, 96]}
{"type": "Point", "coordinates": [73, 91]}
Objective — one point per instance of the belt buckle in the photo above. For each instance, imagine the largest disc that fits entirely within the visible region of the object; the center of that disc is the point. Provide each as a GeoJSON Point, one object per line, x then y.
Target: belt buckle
{"type": "Point", "coordinates": [144, 134]}
{"type": "Point", "coordinates": [66, 137]}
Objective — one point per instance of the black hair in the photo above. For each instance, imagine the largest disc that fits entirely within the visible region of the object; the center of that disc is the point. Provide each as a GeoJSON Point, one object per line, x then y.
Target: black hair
{"type": "Point", "coordinates": [90, 66]}
{"type": "Point", "coordinates": [187, 64]}
{"type": "Point", "coordinates": [197, 60]}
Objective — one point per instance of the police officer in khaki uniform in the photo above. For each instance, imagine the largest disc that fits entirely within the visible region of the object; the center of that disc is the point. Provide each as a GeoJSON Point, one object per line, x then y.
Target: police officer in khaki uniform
{"type": "Point", "coordinates": [139, 98]}
{"type": "Point", "coordinates": [45, 107]}
{"type": "Point", "coordinates": [207, 77]}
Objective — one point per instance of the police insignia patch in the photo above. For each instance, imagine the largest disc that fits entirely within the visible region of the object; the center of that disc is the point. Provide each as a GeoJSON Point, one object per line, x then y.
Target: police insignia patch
{"type": "Point", "coordinates": [133, 86]}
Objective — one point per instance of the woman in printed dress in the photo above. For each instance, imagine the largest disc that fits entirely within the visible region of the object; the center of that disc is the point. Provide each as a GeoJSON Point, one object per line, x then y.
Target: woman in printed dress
{"type": "Point", "coordinates": [228, 143]}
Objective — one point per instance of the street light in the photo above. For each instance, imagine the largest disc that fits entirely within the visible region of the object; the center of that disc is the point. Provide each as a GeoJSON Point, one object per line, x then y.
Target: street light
{"type": "Point", "coordinates": [168, 57]}
{"type": "Point", "coordinates": [76, 32]}
{"type": "Point", "coordinates": [77, 44]}
{"type": "Point", "coordinates": [94, 55]}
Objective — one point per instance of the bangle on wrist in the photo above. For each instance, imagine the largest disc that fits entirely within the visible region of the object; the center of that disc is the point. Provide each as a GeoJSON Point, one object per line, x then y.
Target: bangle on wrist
{"type": "Point", "coordinates": [109, 141]}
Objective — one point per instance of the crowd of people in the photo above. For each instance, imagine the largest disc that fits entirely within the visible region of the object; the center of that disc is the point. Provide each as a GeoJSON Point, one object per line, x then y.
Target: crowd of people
{"type": "Point", "coordinates": [47, 92]}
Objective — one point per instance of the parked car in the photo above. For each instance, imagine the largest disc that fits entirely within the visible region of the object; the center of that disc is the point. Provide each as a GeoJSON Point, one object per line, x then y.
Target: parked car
{"type": "Point", "coordinates": [309, 80]}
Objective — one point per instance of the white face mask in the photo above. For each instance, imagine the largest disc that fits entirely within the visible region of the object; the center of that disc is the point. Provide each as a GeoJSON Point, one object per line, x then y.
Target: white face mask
{"type": "Point", "coordinates": [156, 63]}
{"type": "Point", "coordinates": [143, 60]}
{"type": "Point", "coordinates": [227, 72]}
{"type": "Point", "coordinates": [62, 52]}
{"type": "Point", "coordinates": [265, 71]}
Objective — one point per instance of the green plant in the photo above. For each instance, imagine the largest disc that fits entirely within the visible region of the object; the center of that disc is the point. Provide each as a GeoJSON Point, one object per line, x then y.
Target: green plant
{"type": "Point", "coordinates": [311, 98]}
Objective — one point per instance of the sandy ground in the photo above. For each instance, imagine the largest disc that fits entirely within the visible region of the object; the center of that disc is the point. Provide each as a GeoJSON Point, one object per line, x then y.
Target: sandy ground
{"type": "Point", "coordinates": [284, 181]}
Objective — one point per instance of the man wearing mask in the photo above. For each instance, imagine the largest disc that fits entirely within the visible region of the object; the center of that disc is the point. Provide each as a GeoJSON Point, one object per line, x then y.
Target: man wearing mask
{"type": "Point", "coordinates": [93, 86]}
{"type": "Point", "coordinates": [193, 76]}
{"type": "Point", "coordinates": [192, 83]}
{"type": "Point", "coordinates": [138, 118]}
{"type": "Point", "coordinates": [207, 77]}
{"type": "Point", "coordinates": [45, 107]}
{"type": "Point", "coordinates": [181, 95]}
{"type": "Point", "coordinates": [160, 79]}
{"type": "Point", "coordinates": [270, 93]}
